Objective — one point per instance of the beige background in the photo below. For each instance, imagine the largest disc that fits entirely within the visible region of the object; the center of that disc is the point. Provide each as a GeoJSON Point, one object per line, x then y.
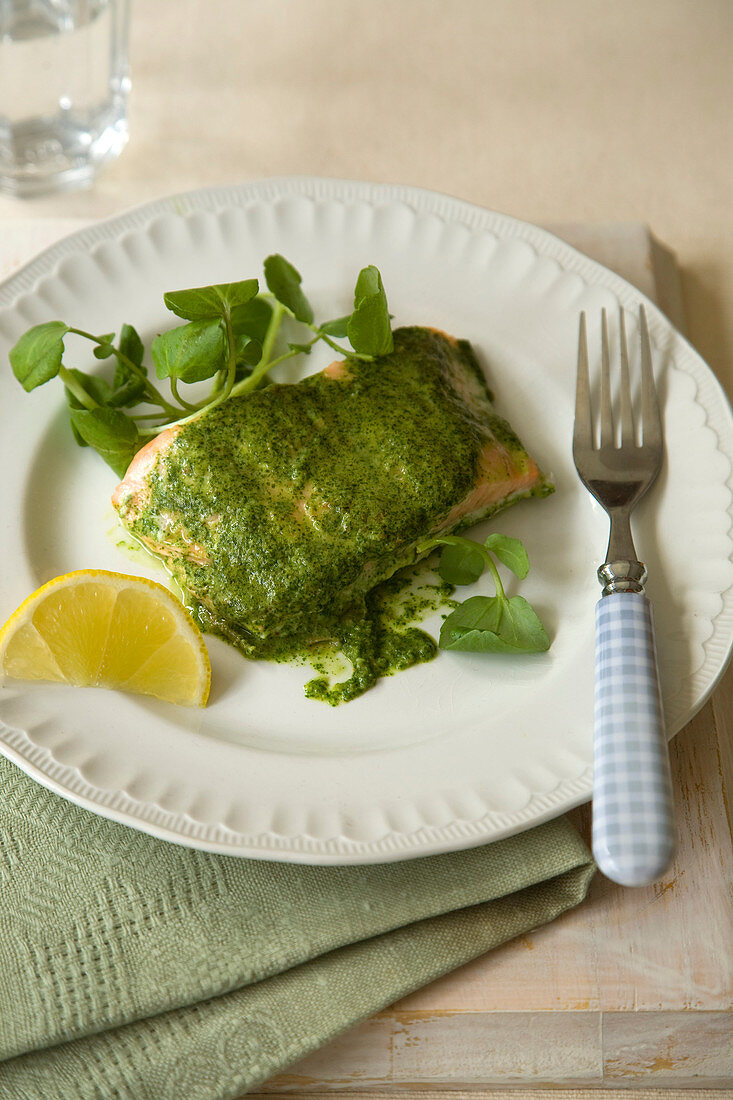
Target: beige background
{"type": "Point", "coordinates": [550, 110]}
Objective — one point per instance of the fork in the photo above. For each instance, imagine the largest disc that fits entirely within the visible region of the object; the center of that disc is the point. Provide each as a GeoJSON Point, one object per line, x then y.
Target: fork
{"type": "Point", "coordinates": [633, 818]}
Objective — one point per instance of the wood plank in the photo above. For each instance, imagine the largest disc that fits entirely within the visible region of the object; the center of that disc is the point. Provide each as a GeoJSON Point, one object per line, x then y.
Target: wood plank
{"type": "Point", "coordinates": [682, 1048]}
{"type": "Point", "coordinates": [463, 1049]}
{"type": "Point", "coordinates": [520, 1093]}
{"type": "Point", "coordinates": [475, 1051]}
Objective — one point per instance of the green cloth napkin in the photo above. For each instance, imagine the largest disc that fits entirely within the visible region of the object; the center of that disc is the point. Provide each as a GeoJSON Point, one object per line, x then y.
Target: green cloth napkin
{"type": "Point", "coordinates": [133, 968]}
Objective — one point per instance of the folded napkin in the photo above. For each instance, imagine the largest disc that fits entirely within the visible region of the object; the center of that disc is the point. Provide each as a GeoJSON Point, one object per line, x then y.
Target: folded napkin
{"type": "Point", "coordinates": [137, 969]}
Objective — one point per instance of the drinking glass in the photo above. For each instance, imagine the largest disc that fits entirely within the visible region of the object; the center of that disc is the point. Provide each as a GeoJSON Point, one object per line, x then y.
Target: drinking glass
{"type": "Point", "coordinates": [63, 91]}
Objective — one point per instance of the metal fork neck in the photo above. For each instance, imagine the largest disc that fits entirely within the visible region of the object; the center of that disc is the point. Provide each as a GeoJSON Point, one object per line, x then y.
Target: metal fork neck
{"type": "Point", "coordinates": [622, 576]}
{"type": "Point", "coordinates": [621, 571]}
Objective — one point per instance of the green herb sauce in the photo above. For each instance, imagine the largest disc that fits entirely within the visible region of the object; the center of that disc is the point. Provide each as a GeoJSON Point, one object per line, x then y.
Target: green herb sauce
{"type": "Point", "coordinates": [384, 641]}
{"type": "Point", "coordinates": [284, 511]}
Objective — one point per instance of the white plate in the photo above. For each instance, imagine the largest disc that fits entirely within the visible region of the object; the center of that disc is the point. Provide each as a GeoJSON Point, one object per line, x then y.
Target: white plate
{"type": "Point", "coordinates": [446, 755]}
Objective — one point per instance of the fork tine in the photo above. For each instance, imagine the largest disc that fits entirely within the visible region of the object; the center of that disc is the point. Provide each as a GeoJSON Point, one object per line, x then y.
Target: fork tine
{"type": "Point", "coordinates": [627, 416]}
{"type": "Point", "coordinates": [651, 424]}
{"type": "Point", "coordinates": [606, 410]}
{"type": "Point", "coordinates": [582, 428]}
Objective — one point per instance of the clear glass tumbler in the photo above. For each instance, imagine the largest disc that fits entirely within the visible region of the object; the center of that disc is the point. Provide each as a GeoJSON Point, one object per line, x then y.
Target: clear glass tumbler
{"type": "Point", "coordinates": [63, 91]}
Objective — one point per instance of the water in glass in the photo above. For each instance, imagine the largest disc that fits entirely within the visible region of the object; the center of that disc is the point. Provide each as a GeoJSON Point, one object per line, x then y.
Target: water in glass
{"type": "Point", "coordinates": [63, 91]}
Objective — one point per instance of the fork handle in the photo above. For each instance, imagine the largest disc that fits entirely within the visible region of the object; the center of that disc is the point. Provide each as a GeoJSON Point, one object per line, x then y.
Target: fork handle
{"type": "Point", "coordinates": [633, 814]}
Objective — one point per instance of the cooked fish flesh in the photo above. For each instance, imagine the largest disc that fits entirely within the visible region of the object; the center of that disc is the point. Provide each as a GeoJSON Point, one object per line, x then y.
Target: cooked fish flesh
{"type": "Point", "coordinates": [279, 510]}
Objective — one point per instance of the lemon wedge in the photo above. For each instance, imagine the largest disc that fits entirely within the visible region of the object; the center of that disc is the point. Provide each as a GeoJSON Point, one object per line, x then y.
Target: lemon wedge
{"type": "Point", "coordinates": [93, 628]}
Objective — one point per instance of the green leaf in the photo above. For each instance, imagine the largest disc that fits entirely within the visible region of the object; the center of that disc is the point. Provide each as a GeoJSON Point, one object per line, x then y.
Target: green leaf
{"type": "Point", "coordinates": [474, 641]}
{"type": "Point", "coordinates": [523, 627]}
{"type": "Point", "coordinates": [304, 349]}
{"type": "Point", "coordinates": [475, 613]}
{"type": "Point", "coordinates": [205, 303]}
{"type": "Point", "coordinates": [337, 327]}
{"type": "Point", "coordinates": [369, 328]}
{"type": "Point", "coordinates": [191, 352]}
{"type": "Point", "coordinates": [97, 388]}
{"type": "Point", "coordinates": [131, 345]}
{"type": "Point", "coordinates": [36, 357]}
{"type": "Point", "coordinates": [110, 432]}
{"type": "Point", "coordinates": [252, 319]}
{"type": "Point", "coordinates": [129, 394]}
{"type": "Point", "coordinates": [248, 352]}
{"type": "Point", "coordinates": [461, 563]}
{"type": "Point", "coordinates": [368, 283]}
{"type": "Point", "coordinates": [75, 432]}
{"type": "Point", "coordinates": [284, 282]}
{"type": "Point", "coordinates": [490, 624]}
{"type": "Point", "coordinates": [105, 348]}
{"type": "Point", "coordinates": [129, 387]}
{"type": "Point", "coordinates": [510, 553]}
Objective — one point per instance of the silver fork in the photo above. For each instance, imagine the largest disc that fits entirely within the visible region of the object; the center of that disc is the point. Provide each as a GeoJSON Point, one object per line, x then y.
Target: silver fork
{"type": "Point", "coordinates": [633, 819]}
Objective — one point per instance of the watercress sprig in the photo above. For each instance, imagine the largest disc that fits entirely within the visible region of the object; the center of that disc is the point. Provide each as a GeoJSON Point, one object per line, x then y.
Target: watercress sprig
{"type": "Point", "coordinates": [487, 624]}
{"type": "Point", "coordinates": [229, 337]}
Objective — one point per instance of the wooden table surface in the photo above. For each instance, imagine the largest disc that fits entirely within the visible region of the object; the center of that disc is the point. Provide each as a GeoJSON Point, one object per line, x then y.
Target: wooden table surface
{"type": "Point", "coordinates": [575, 111]}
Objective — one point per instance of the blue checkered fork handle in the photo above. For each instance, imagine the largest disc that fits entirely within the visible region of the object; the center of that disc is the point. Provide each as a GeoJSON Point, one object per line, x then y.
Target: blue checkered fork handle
{"type": "Point", "coordinates": [633, 828]}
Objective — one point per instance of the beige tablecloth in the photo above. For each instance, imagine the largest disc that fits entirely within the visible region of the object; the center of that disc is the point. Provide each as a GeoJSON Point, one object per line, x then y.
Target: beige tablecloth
{"type": "Point", "coordinates": [569, 111]}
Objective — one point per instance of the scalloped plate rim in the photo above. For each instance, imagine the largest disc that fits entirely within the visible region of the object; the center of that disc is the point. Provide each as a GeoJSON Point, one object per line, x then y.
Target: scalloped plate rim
{"type": "Point", "coordinates": [340, 849]}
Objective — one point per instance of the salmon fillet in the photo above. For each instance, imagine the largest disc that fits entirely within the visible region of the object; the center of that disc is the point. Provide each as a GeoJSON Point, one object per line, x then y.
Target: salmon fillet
{"type": "Point", "coordinates": [278, 511]}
